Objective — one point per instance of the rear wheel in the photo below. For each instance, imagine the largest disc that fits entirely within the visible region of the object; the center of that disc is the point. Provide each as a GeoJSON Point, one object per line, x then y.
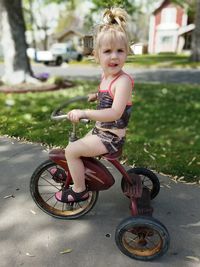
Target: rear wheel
{"type": "Point", "coordinates": [148, 178]}
{"type": "Point", "coordinates": [79, 57]}
{"type": "Point", "coordinates": [142, 238]}
{"type": "Point", "coordinates": [59, 61]}
{"type": "Point", "coordinates": [48, 179]}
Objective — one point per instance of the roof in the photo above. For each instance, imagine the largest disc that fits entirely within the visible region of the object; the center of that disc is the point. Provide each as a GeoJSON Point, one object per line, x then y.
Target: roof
{"type": "Point", "coordinates": [67, 32]}
{"type": "Point", "coordinates": [185, 29]}
{"type": "Point", "coordinates": [162, 3]}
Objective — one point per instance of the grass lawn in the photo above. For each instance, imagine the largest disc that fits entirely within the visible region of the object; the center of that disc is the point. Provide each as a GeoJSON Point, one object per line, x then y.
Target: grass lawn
{"type": "Point", "coordinates": [163, 132]}
{"type": "Point", "coordinates": [164, 60]}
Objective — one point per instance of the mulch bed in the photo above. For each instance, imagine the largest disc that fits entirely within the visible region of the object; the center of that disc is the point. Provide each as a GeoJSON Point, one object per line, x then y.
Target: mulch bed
{"type": "Point", "coordinates": [26, 87]}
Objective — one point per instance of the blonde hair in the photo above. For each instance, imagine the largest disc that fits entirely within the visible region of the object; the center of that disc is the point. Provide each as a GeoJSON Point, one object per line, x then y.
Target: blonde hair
{"type": "Point", "coordinates": [115, 22]}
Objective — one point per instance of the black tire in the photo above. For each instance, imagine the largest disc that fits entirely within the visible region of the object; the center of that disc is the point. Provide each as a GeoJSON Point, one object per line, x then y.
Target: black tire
{"type": "Point", "coordinates": [142, 238]}
{"type": "Point", "coordinates": [59, 61]}
{"type": "Point", "coordinates": [79, 57]}
{"type": "Point", "coordinates": [44, 185]}
{"type": "Point", "coordinates": [149, 180]}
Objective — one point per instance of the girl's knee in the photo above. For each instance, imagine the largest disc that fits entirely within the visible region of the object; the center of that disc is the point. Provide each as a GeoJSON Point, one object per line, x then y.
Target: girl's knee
{"type": "Point", "coordinates": [70, 152]}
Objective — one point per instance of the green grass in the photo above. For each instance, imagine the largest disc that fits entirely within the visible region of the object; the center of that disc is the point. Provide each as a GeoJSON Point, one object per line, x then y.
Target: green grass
{"type": "Point", "coordinates": [163, 133]}
{"type": "Point", "coordinates": [164, 60]}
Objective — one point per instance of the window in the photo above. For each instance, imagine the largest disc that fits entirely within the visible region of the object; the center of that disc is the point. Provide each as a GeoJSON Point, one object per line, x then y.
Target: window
{"type": "Point", "coordinates": [168, 15]}
{"type": "Point", "coordinates": [166, 39]}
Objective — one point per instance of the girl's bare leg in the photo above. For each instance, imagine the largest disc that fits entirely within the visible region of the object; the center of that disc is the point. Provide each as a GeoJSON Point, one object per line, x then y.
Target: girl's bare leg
{"type": "Point", "coordinates": [88, 146]}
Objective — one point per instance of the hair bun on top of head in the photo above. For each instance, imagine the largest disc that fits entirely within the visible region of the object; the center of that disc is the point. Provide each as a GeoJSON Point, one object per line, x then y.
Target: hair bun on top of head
{"type": "Point", "coordinates": [115, 20]}
{"type": "Point", "coordinates": [115, 15]}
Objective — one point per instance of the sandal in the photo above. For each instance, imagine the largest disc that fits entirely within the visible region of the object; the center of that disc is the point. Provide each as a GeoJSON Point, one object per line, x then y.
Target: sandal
{"type": "Point", "coordinates": [77, 197]}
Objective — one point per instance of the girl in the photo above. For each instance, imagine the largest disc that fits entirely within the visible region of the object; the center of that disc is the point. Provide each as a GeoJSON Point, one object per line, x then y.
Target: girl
{"type": "Point", "coordinates": [114, 104]}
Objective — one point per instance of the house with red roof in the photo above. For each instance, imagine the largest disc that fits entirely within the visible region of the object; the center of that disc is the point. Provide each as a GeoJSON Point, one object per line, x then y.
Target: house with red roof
{"type": "Point", "coordinates": [169, 30]}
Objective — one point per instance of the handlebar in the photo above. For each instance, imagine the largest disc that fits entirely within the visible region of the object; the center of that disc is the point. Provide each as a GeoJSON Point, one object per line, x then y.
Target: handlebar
{"type": "Point", "coordinates": [57, 114]}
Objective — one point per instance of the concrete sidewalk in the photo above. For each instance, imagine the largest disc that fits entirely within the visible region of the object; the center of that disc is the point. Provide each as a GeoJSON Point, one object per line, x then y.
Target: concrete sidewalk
{"type": "Point", "coordinates": [29, 237]}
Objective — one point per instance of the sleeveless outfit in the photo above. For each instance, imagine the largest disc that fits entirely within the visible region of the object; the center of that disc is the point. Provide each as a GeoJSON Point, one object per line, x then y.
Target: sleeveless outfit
{"type": "Point", "coordinates": [105, 99]}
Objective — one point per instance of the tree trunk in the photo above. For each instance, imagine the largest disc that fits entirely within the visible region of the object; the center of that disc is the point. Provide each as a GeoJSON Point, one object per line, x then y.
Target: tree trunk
{"type": "Point", "coordinates": [196, 35]}
{"type": "Point", "coordinates": [17, 65]}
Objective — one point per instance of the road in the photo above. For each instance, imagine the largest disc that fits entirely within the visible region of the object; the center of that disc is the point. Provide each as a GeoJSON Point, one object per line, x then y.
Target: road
{"type": "Point", "coordinates": [141, 75]}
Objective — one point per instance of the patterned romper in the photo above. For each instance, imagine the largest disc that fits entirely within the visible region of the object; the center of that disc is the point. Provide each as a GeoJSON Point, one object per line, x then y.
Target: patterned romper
{"type": "Point", "coordinates": [105, 99]}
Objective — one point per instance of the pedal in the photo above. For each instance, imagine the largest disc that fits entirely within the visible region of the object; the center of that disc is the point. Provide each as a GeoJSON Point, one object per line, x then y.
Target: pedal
{"type": "Point", "coordinates": [134, 190]}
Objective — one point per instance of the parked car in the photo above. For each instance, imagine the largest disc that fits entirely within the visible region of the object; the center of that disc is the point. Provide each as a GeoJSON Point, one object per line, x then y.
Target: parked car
{"type": "Point", "coordinates": [58, 53]}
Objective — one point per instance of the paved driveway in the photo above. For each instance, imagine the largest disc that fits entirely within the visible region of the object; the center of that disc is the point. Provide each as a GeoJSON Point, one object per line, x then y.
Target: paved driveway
{"type": "Point", "coordinates": [29, 237]}
{"type": "Point", "coordinates": [140, 75]}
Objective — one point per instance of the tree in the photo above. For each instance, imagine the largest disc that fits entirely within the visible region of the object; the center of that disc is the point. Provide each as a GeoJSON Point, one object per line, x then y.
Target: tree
{"type": "Point", "coordinates": [30, 22]}
{"type": "Point", "coordinates": [41, 18]}
{"type": "Point", "coordinates": [92, 18]}
{"type": "Point", "coordinates": [68, 17]}
{"type": "Point", "coordinates": [17, 65]}
{"type": "Point", "coordinates": [196, 35]}
{"type": "Point", "coordinates": [129, 5]}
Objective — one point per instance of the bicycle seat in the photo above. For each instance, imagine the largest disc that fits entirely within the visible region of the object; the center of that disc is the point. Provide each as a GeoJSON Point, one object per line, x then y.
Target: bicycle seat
{"type": "Point", "coordinates": [113, 156]}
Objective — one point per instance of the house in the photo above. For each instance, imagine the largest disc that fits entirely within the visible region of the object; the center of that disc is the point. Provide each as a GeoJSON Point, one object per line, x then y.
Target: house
{"type": "Point", "coordinates": [169, 30]}
{"type": "Point", "coordinates": [71, 36]}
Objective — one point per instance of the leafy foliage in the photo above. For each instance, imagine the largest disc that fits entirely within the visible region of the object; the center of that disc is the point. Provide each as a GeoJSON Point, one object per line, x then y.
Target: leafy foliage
{"type": "Point", "coordinates": [189, 5]}
{"type": "Point", "coordinates": [102, 4]}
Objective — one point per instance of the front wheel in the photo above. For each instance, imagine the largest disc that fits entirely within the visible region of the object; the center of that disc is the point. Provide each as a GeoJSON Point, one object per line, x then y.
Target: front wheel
{"type": "Point", "coordinates": [142, 238]}
{"type": "Point", "coordinates": [148, 178]}
{"type": "Point", "coordinates": [48, 179]}
{"type": "Point", "coordinates": [79, 57]}
{"type": "Point", "coordinates": [59, 61]}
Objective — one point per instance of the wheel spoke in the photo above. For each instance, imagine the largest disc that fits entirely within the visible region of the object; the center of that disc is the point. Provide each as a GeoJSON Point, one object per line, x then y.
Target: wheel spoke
{"type": "Point", "coordinates": [49, 198]}
{"type": "Point", "coordinates": [43, 189]}
{"type": "Point", "coordinates": [49, 182]}
{"type": "Point", "coordinates": [55, 203]}
{"type": "Point", "coordinates": [151, 241]}
{"type": "Point", "coordinates": [48, 193]}
{"type": "Point", "coordinates": [79, 205]}
{"type": "Point", "coordinates": [132, 240]}
{"type": "Point", "coordinates": [141, 238]}
{"type": "Point", "coordinates": [41, 185]}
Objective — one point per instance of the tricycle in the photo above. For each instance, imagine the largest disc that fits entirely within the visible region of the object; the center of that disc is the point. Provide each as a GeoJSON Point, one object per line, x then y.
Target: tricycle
{"type": "Point", "coordinates": [140, 236]}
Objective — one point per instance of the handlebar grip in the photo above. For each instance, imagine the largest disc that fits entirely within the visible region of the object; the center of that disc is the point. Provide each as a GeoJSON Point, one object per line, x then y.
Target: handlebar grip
{"type": "Point", "coordinates": [58, 115]}
{"type": "Point", "coordinates": [85, 121]}
{"type": "Point", "coordinates": [64, 116]}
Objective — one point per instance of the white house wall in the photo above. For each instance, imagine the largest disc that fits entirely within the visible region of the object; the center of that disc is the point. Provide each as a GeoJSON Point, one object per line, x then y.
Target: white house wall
{"type": "Point", "coordinates": [171, 46]}
{"type": "Point", "coordinates": [184, 20]}
{"type": "Point", "coordinates": [164, 37]}
{"type": "Point", "coordinates": [151, 34]}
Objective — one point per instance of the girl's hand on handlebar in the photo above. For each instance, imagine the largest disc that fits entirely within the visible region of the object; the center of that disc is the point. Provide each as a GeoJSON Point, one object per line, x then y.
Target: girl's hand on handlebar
{"type": "Point", "coordinates": [76, 114]}
{"type": "Point", "coordinates": [92, 97]}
